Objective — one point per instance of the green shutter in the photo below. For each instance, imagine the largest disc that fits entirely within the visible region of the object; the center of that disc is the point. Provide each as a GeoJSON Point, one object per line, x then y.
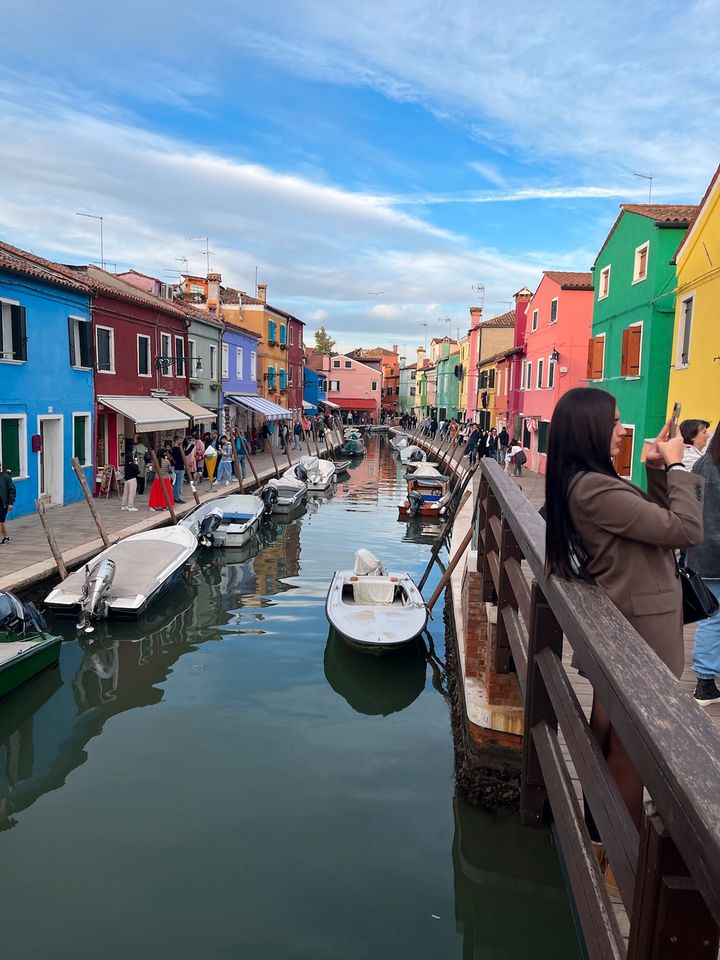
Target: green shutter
{"type": "Point", "coordinates": [10, 445]}
{"type": "Point", "coordinates": [79, 449]}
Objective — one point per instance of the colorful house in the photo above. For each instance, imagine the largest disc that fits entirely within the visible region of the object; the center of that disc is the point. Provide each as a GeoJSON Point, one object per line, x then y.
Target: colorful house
{"type": "Point", "coordinates": [463, 362]}
{"type": "Point", "coordinates": [487, 383]}
{"type": "Point", "coordinates": [238, 378]}
{"type": "Point", "coordinates": [474, 353]}
{"type": "Point", "coordinates": [314, 390]}
{"type": "Point", "coordinates": [633, 315]}
{"type": "Point", "coordinates": [558, 328]}
{"type": "Point", "coordinates": [406, 397]}
{"type": "Point", "coordinates": [421, 408]}
{"type": "Point", "coordinates": [354, 386]}
{"type": "Point", "coordinates": [448, 383]}
{"type": "Point", "coordinates": [492, 337]}
{"type": "Point", "coordinates": [509, 370]}
{"type": "Point", "coordinates": [46, 379]}
{"type": "Point", "coordinates": [695, 354]}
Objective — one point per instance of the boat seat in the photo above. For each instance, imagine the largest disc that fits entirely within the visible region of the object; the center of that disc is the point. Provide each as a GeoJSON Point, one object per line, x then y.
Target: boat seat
{"type": "Point", "coordinates": [371, 590]}
{"type": "Point", "coordinates": [237, 517]}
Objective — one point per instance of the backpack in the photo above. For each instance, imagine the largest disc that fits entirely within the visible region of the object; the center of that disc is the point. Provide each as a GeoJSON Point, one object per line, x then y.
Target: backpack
{"type": "Point", "coordinates": [147, 457]}
{"type": "Point", "coordinates": [520, 458]}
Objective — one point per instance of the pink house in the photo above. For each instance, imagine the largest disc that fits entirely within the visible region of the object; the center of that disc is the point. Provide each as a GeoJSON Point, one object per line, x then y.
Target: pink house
{"type": "Point", "coordinates": [474, 334]}
{"type": "Point", "coordinates": [508, 396]}
{"type": "Point", "coordinates": [356, 387]}
{"type": "Point", "coordinates": [558, 323]}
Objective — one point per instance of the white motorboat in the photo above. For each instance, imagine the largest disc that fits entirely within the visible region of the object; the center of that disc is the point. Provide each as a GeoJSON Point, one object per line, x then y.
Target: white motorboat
{"type": "Point", "coordinates": [123, 580]}
{"type": "Point", "coordinates": [399, 442]}
{"type": "Point", "coordinates": [412, 466]}
{"type": "Point", "coordinates": [373, 610]}
{"type": "Point", "coordinates": [412, 453]}
{"type": "Point", "coordinates": [283, 495]}
{"type": "Point", "coordinates": [428, 493]}
{"type": "Point", "coordinates": [352, 433]}
{"type": "Point", "coordinates": [341, 466]}
{"type": "Point", "coordinates": [228, 522]}
{"type": "Point", "coordinates": [319, 475]}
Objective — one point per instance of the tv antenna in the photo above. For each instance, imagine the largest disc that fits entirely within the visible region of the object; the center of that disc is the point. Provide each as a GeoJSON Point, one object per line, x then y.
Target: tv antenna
{"type": "Point", "coordinates": [207, 250]}
{"type": "Point", "coordinates": [425, 324]}
{"type": "Point", "coordinates": [649, 178]}
{"type": "Point", "coordinates": [94, 216]}
{"type": "Point", "coordinates": [480, 290]}
{"type": "Point", "coordinates": [184, 262]}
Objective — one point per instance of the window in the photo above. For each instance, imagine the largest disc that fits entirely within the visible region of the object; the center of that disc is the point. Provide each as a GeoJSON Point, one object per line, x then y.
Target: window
{"type": "Point", "coordinates": [292, 336]}
{"type": "Point", "coordinates": [553, 310]}
{"type": "Point", "coordinates": [322, 384]}
{"type": "Point", "coordinates": [596, 358]}
{"type": "Point", "coordinates": [630, 359]}
{"type": "Point", "coordinates": [13, 338]}
{"type": "Point", "coordinates": [684, 333]}
{"type": "Point", "coordinates": [105, 349]}
{"type": "Point", "coordinates": [253, 365]}
{"type": "Point", "coordinates": [528, 374]}
{"type": "Point", "coordinates": [534, 320]}
{"type": "Point", "coordinates": [348, 364]}
{"type": "Point", "coordinates": [623, 462]}
{"type": "Point", "coordinates": [290, 376]}
{"type": "Point", "coordinates": [641, 263]}
{"type": "Point", "coordinates": [179, 356]}
{"type": "Point", "coordinates": [283, 333]}
{"type": "Point", "coordinates": [373, 384]}
{"type": "Point", "coordinates": [551, 373]}
{"type": "Point", "coordinates": [483, 379]}
{"type": "Point", "coordinates": [80, 340]}
{"type": "Point", "coordinates": [238, 363]}
{"type": "Point", "coordinates": [165, 352]}
{"type": "Point", "coordinates": [334, 386]}
{"type": "Point", "coordinates": [81, 438]}
{"type": "Point", "coordinates": [526, 439]}
{"type": "Point", "coordinates": [212, 361]}
{"type": "Point", "coordinates": [604, 288]}
{"type": "Point", "coordinates": [499, 381]}
{"type": "Point", "coordinates": [271, 378]}
{"type": "Point", "coordinates": [542, 435]}
{"type": "Point", "coordinates": [192, 357]}
{"type": "Point", "coordinates": [225, 374]}
{"type": "Point", "coordinates": [491, 378]}
{"type": "Point", "coordinates": [272, 331]}
{"type": "Point", "coordinates": [13, 445]}
{"type": "Point", "coordinates": [540, 370]}
{"type": "Point", "coordinates": [283, 379]}
{"type": "Point", "coordinates": [143, 355]}
{"type": "Point", "coordinates": [336, 364]}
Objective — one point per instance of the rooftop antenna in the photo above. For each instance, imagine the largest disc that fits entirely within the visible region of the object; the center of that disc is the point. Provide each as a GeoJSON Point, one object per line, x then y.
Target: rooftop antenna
{"type": "Point", "coordinates": [480, 290]}
{"type": "Point", "coordinates": [207, 250]}
{"type": "Point", "coordinates": [256, 279]}
{"type": "Point", "coordinates": [424, 323]}
{"type": "Point", "coordinates": [649, 178]}
{"type": "Point", "coordinates": [184, 262]}
{"type": "Point", "coordinates": [94, 216]}
{"type": "Point", "coordinates": [173, 271]}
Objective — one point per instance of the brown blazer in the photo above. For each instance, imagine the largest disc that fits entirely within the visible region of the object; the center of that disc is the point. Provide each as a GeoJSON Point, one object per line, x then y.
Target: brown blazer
{"type": "Point", "coordinates": [629, 538]}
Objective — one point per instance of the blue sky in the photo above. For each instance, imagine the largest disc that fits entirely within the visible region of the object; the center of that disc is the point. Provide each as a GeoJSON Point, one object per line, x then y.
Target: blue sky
{"type": "Point", "coordinates": [411, 150]}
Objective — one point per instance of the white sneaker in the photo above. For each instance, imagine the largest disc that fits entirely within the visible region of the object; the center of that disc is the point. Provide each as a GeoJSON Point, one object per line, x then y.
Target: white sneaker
{"type": "Point", "coordinates": [227, 483]}
{"type": "Point", "coordinates": [124, 508]}
{"type": "Point", "coordinates": [131, 509]}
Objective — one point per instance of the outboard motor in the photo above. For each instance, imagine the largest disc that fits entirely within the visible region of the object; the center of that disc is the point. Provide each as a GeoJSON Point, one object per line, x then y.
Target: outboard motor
{"type": "Point", "coordinates": [269, 496]}
{"type": "Point", "coordinates": [415, 503]}
{"type": "Point", "coordinates": [208, 526]}
{"type": "Point", "coordinates": [19, 618]}
{"type": "Point", "coordinates": [301, 473]}
{"type": "Point", "coordinates": [416, 456]}
{"type": "Point", "coordinates": [93, 603]}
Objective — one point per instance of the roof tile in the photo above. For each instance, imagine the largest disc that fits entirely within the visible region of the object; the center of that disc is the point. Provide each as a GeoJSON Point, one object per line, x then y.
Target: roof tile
{"type": "Point", "coordinates": [20, 261]}
{"type": "Point", "coordinates": [504, 320]}
{"type": "Point", "coordinates": [571, 279]}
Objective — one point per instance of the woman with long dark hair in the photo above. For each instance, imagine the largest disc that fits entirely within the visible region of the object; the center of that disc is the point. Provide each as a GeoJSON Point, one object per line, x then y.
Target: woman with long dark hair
{"type": "Point", "coordinates": [604, 530]}
{"type": "Point", "coordinates": [705, 559]}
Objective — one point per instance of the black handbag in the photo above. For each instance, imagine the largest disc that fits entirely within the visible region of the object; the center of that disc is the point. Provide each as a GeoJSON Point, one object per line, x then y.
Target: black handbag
{"type": "Point", "coordinates": [698, 602]}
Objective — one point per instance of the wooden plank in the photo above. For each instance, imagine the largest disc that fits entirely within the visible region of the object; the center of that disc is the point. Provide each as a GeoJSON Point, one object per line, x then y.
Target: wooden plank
{"type": "Point", "coordinates": [517, 638]}
{"type": "Point", "coordinates": [520, 586]}
{"type": "Point", "coordinates": [52, 542]}
{"type": "Point", "coordinates": [79, 473]}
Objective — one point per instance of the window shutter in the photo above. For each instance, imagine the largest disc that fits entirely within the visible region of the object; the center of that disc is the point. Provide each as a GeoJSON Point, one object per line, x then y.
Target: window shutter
{"type": "Point", "coordinates": [624, 355]}
{"type": "Point", "coordinates": [86, 351]}
{"type": "Point", "coordinates": [590, 358]}
{"type": "Point", "coordinates": [71, 341]}
{"type": "Point", "coordinates": [598, 358]}
{"type": "Point", "coordinates": [10, 445]}
{"type": "Point", "coordinates": [19, 335]}
{"type": "Point", "coordinates": [623, 461]}
{"type": "Point", "coordinates": [633, 363]}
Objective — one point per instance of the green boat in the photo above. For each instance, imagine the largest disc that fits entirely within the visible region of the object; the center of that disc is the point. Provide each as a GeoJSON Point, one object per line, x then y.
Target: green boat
{"type": "Point", "coordinates": [26, 649]}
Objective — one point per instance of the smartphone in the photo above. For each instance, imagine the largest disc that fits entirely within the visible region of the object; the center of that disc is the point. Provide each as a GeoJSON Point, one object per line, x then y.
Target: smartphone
{"type": "Point", "coordinates": [675, 419]}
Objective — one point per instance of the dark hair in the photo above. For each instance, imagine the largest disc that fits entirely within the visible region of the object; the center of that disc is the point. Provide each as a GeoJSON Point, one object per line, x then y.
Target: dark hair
{"type": "Point", "coordinates": [579, 442]}
{"type": "Point", "coordinates": [713, 448]}
{"type": "Point", "coordinates": [691, 428]}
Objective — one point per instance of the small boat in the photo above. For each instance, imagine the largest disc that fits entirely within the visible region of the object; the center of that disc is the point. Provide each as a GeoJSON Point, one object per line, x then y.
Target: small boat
{"type": "Point", "coordinates": [283, 495]}
{"type": "Point", "coordinates": [412, 454]}
{"type": "Point", "coordinates": [428, 493]}
{"type": "Point", "coordinates": [399, 441]}
{"type": "Point", "coordinates": [25, 647]}
{"type": "Point", "coordinates": [374, 611]}
{"type": "Point", "coordinates": [412, 466]}
{"type": "Point", "coordinates": [317, 474]}
{"type": "Point", "coordinates": [353, 448]}
{"type": "Point", "coordinates": [123, 580]}
{"type": "Point", "coordinates": [228, 522]}
{"type": "Point", "coordinates": [341, 466]}
{"type": "Point", "coordinates": [352, 433]}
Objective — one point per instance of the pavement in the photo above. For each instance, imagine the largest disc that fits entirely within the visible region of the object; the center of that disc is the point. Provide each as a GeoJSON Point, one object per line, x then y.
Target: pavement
{"type": "Point", "coordinates": [28, 560]}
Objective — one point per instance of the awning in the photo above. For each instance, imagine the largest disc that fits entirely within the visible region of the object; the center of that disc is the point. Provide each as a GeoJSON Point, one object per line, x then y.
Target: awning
{"type": "Point", "coordinates": [308, 406]}
{"type": "Point", "coordinates": [329, 404]}
{"type": "Point", "coordinates": [358, 403]}
{"type": "Point", "coordinates": [147, 413]}
{"type": "Point", "coordinates": [192, 409]}
{"type": "Point", "coordinates": [266, 408]}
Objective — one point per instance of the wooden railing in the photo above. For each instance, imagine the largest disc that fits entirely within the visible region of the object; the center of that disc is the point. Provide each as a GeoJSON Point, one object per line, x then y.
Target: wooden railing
{"type": "Point", "coordinates": [669, 874]}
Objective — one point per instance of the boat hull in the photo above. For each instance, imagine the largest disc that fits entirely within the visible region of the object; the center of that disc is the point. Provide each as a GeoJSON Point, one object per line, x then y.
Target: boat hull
{"type": "Point", "coordinates": [427, 512]}
{"type": "Point", "coordinates": [22, 660]}
{"type": "Point", "coordinates": [287, 504]}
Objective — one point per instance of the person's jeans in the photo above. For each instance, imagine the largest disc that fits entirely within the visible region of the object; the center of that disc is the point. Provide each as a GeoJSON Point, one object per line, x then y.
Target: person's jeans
{"type": "Point", "coordinates": [706, 652]}
{"type": "Point", "coordinates": [224, 471]}
{"type": "Point", "coordinates": [178, 485]}
{"type": "Point", "coordinates": [241, 459]}
{"type": "Point", "coordinates": [129, 490]}
{"type": "Point", "coordinates": [296, 442]}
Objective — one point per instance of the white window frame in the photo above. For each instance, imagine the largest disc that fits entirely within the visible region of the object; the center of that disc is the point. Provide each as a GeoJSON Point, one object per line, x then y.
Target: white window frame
{"type": "Point", "coordinates": [22, 443]}
{"type": "Point", "coordinates": [290, 374]}
{"type": "Point", "coordinates": [528, 372]}
{"type": "Point", "coordinates": [239, 360]}
{"type": "Point", "coordinates": [88, 435]}
{"type": "Point", "coordinates": [333, 386]}
{"type": "Point", "coordinates": [225, 362]}
{"type": "Point", "coordinates": [141, 336]}
{"type": "Point", "coordinates": [631, 426]}
{"type": "Point", "coordinates": [598, 379]}
{"type": "Point", "coordinates": [681, 325]}
{"type": "Point", "coordinates": [336, 364]}
{"type": "Point", "coordinates": [604, 273]}
{"type": "Point", "coordinates": [348, 364]}
{"type": "Point", "coordinates": [253, 365]}
{"type": "Point", "coordinates": [180, 341]}
{"type": "Point", "coordinates": [192, 357]}
{"type": "Point", "coordinates": [111, 330]}
{"type": "Point", "coordinates": [166, 351]}
{"type": "Point", "coordinates": [551, 365]}
{"type": "Point", "coordinates": [556, 301]}
{"type": "Point", "coordinates": [534, 320]}
{"type": "Point", "coordinates": [373, 384]}
{"type": "Point", "coordinates": [540, 372]}
{"type": "Point", "coordinates": [292, 335]}
{"type": "Point", "coordinates": [212, 361]}
{"type": "Point", "coordinates": [643, 246]}
{"type": "Point", "coordinates": [634, 376]}
{"type": "Point", "coordinates": [10, 303]}
{"type": "Point", "coordinates": [77, 320]}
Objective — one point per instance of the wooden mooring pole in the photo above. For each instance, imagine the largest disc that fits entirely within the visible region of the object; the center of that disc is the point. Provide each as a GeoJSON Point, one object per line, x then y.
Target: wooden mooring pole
{"type": "Point", "coordinates": [236, 460]}
{"type": "Point", "coordinates": [444, 580]}
{"type": "Point", "coordinates": [62, 569]}
{"type": "Point", "coordinates": [89, 497]}
{"type": "Point", "coordinates": [272, 454]}
{"type": "Point", "coordinates": [167, 496]}
{"type": "Point", "coordinates": [190, 476]}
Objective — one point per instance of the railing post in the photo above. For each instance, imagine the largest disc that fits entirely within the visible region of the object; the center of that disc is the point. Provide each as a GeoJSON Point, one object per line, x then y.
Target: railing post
{"type": "Point", "coordinates": [508, 549]}
{"type": "Point", "coordinates": [543, 631]}
{"type": "Point", "coordinates": [491, 509]}
{"type": "Point", "coordinates": [669, 917]}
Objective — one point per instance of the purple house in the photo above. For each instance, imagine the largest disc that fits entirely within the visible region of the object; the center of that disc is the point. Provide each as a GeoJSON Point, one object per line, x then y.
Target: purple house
{"type": "Point", "coordinates": [238, 376]}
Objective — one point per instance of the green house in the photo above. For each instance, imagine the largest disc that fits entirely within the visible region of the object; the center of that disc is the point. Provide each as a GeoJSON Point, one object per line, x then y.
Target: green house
{"type": "Point", "coordinates": [633, 315]}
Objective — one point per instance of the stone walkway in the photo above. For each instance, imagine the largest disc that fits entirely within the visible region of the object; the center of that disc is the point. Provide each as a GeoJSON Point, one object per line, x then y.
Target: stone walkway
{"type": "Point", "coordinates": [27, 559]}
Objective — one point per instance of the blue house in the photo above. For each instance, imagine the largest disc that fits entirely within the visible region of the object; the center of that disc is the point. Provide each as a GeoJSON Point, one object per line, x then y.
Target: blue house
{"type": "Point", "coordinates": [46, 379]}
{"type": "Point", "coordinates": [314, 390]}
{"type": "Point", "coordinates": [238, 376]}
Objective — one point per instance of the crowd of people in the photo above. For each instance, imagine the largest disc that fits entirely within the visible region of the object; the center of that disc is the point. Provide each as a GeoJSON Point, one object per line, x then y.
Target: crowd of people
{"type": "Point", "coordinates": [478, 442]}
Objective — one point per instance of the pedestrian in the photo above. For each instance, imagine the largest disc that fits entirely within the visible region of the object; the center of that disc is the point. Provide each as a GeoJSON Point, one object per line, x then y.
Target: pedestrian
{"type": "Point", "coordinates": [7, 501]}
{"type": "Point", "coordinates": [514, 451]}
{"type": "Point", "coordinates": [482, 444]}
{"type": "Point", "coordinates": [603, 530]}
{"type": "Point", "coordinates": [472, 444]}
{"type": "Point", "coordinates": [132, 471]}
{"type": "Point", "coordinates": [503, 443]}
{"type": "Point", "coordinates": [695, 436]}
{"type": "Point", "coordinates": [433, 427]}
{"type": "Point", "coordinates": [142, 457]}
{"type": "Point", "coordinates": [297, 435]}
{"type": "Point", "coordinates": [179, 464]}
{"type": "Point", "coordinates": [157, 499]}
{"type": "Point", "coordinates": [225, 466]}
{"type": "Point", "coordinates": [240, 446]}
{"type": "Point", "coordinates": [199, 457]}
{"type": "Point", "coordinates": [492, 444]}
{"type": "Point", "coordinates": [705, 560]}
{"type": "Point", "coordinates": [265, 437]}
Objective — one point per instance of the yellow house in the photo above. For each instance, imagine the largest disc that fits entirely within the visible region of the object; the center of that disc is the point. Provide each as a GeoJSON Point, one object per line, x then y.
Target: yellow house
{"type": "Point", "coordinates": [695, 362]}
{"type": "Point", "coordinates": [487, 387]}
{"type": "Point", "coordinates": [254, 313]}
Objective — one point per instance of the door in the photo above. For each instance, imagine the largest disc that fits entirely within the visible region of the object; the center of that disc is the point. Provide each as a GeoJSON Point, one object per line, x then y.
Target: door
{"type": "Point", "coordinates": [50, 480]}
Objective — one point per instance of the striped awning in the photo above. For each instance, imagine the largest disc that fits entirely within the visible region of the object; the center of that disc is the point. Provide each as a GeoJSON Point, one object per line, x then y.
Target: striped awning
{"type": "Point", "coordinates": [147, 413]}
{"type": "Point", "coordinates": [308, 406]}
{"type": "Point", "coordinates": [329, 404]}
{"type": "Point", "coordinates": [266, 408]}
{"type": "Point", "coordinates": [192, 409]}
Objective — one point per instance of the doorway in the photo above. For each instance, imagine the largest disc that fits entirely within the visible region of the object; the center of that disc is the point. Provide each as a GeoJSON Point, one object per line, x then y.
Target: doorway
{"type": "Point", "coordinates": [51, 462]}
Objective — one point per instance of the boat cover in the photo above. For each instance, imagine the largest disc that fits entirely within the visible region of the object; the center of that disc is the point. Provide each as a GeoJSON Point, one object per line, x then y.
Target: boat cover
{"type": "Point", "coordinates": [367, 564]}
{"type": "Point", "coordinates": [373, 591]}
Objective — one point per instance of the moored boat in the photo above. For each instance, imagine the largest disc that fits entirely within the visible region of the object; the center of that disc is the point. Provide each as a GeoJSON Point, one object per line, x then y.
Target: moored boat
{"type": "Point", "coordinates": [228, 522]}
{"type": "Point", "coordinates": [353, 448]}
{"type": "Point", "coordinates": [317, 474]}
{"type": "Point", "coordinates": [26, 649]}
{"type": "Point", "coordinates": [399, 442]}
{"type": "Point", "coordinates": [341, 466]}
{"type": "Point", "coordinates": [375, 611]}
{"type": "Point", "coordinates": [283, 495]}
{"type": "Point", "coordinates": [428, 493]}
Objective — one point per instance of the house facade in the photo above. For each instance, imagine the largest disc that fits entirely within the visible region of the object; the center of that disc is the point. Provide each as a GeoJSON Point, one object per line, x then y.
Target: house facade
{"type": "Point", "coordinates": [46, 379]}
{"type": "Point", "coordinates": [508, 396]}
{"type": "Point", "coordinates": [695, 352]}
{"type": "Point", "coordinates": [314, 390]}
{"type": "Point", "coordinates": [492, 337]}
{"type": "Point", "coordinates": [355, 387]}
{"type": "Point", "coordinates": [295, 364]}
{"type": "Point", "coordinates": [463, 378]}
{"type": "Point", "coordinates": [474, 339]}
{"type": "Point", "coordinates": [406, 397]}
{"type": "Point", "coordinates": [559, 319]}
{"type": "Point", "coordinates": [448, 383]}
{"type": "Point", "coordinates": [238, 377]}
{"type": "Point", "coordinates": [629, 351]}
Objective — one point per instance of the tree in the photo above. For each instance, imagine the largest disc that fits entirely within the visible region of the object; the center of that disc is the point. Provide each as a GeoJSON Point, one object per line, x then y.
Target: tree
{"type": "Point", "coordinates": [324, 343]}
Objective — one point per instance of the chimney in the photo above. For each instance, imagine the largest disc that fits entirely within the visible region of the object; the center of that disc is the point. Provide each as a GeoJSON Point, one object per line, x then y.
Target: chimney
{"type": "Point", "coordinates": [475, 316]}
{"type": "Point", "coordinates": [522, 296]}
{"type": "Point", "coordinates": [395, 348]}
{"type": "Point", "coordinates": [213, 281]}
{"type": "Point", "coordinates": [262, 292]}
{"type": "Point", "coordinates": [421, 356]}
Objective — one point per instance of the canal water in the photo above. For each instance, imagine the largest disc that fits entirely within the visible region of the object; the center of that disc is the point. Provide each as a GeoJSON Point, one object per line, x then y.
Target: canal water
{"type": "Point", "coordinates": [224, 779]}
